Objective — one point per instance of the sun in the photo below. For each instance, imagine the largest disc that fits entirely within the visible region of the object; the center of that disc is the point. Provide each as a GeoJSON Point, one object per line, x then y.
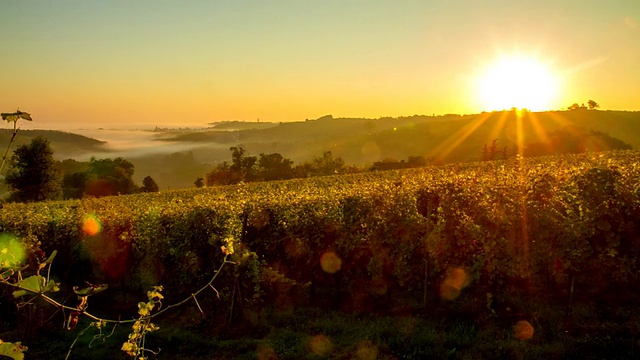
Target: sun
{"type": "Point", "coordinates": [518, 82]}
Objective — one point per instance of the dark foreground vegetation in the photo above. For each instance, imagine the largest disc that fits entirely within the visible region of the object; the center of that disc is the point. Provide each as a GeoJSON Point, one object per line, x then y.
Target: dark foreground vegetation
{"type": "Point", "coordinates": [523, 258]}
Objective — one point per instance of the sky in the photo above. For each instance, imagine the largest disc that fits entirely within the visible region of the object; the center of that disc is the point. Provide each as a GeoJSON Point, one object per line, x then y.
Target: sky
{"type": "Point", "coordinates": [116, 63]}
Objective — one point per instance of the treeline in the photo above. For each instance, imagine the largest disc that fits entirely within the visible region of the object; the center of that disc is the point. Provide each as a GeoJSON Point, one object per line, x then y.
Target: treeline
{"type": "Point", "coordinates": [101, 177]}
{"type": "Point", "coordinates": [269, 167]}
{"type": "Point", "coordinates": [34, 175]}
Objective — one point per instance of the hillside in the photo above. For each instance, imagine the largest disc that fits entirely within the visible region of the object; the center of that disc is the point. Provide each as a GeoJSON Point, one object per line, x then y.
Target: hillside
{"type": "Point", "coordinates": [64, 144]}
{"type": "Point", "coordinates": [189, 154]}
{"type": "Point", "coordinates": [445, 138]}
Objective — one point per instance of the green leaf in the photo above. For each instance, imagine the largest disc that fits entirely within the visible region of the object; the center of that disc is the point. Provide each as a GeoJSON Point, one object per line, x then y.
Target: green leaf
{"type": "Point", "coordinates": [50, 258]}
{"type": "Point", "coordinates": [32, 284]}
{"type": "Point", "coordinates": [25, 115]}
{"type": "Point", "coordinates": [8, 117]}
{"type": "Point", "coordinates": [51, 286]}
{"type": "Point", "coordinates": [12, 350]}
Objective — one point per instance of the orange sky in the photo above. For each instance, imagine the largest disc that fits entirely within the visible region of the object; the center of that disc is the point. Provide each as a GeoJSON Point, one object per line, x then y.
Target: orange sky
{"type": "Point", "coordinates": [119, 63]}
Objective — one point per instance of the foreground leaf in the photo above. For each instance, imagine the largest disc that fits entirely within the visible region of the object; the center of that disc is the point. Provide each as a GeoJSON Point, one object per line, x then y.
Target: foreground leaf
{"type": "Point", "coordinates": [12, 350]}
{"type": "Point", "coordinates": [34, 285]}
{"type": "Point", "coordinates": [90, 290]}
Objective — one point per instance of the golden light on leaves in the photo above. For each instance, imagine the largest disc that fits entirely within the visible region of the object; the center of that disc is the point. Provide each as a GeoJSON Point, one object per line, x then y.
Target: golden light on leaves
{"type": "Point", "coordinates": [91, 225]}
{"type": "Point", "coordinates": [457, 280]}
{"type": "Point", "coordinates": [330, 262]}
{"type": "Point", "coordinates": [523, 330]}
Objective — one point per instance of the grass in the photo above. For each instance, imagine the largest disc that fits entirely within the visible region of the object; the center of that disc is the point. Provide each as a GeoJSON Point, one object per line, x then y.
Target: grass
{"type": "Point", "coordinates": [448, 330]}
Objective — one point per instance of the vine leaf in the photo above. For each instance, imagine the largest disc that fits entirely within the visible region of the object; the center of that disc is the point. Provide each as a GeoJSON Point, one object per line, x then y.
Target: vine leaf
{"type": "Point", "coordinates": [50, 258]}
{"type": "Point", "coordinates": [12, 350]}
{"type": "Point", "coordinates": [90, 289]}
{"type": "Point", "coordinates": [9, 117]}
{"type": "Point", "coordinates": [34, 285]}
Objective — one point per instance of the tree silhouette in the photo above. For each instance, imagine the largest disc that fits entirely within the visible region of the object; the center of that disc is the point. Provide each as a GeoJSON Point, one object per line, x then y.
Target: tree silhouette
{"type": "Point", "coordinates": [33, 174]}
{"type": "Point", "coordinates": [327, 164]}
{"type": "Point", "coordinates": [243, 165]}
{"type": "Point", "coordinates": [149, 185]}
{"type": "Point", "coordinates": [274, 167]}
{"type": "Point", "coordinates": [74, 184]}
{"type": "Point", "coordinates": [592, 105]}
{"type": "Point", "coordinates": [223, 174]}
{"type": "Point", "coordinates": [110, 177]}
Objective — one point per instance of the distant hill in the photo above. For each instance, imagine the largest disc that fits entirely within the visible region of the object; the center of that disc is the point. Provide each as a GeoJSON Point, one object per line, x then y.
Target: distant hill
{"type": "Point", "coordinates": [444, 138]}
{"type": "Point", "coordinates": [360, 141]}
{"type": "Point", "coordinates": [64, 144]}
{"type": "Point", "coordinates": [240, 125]}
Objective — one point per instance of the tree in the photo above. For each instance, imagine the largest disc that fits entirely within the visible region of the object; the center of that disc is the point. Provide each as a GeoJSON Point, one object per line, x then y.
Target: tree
{"type": "Point", "coordinates": [110, 177]}
{"type": "Point", "coordinates": [274, 167]}
{"type": "Point", "coordinates": [327, 164]}
{"type": "Point", "coordinates": [592, 105]}
{"type": "Point", "coordinates": [417, 161]}
{"type": "Point", "coordinates": [33, 174]}
{"type": "Point", "coordinates": [222, 174]}
{"type": "Point", "coordinates": [74, 180]}
{"type": "Point", "coordinates": [243, 165]}
{"type": "Point", "coordinates": [199, 182]}
{"type": "Point", "coordinates": [149, 185]}
{"type": "Point", "coordinates": [74, 185]}
{"type": "Point", "coordinates": [303, 170]}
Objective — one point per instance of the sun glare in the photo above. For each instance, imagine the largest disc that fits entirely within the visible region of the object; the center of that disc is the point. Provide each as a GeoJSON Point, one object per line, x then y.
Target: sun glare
{"type": "Point", "coordinates": [518, 82]}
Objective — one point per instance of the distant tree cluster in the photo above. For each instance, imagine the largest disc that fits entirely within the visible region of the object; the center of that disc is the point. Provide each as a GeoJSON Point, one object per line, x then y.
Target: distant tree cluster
{"type": "Point", "coordinates": [490, 153]}
{"type": "Point", "coordinates": [591, 105]}
{"type": "Point", "coordinates": [268, 167]}
{"type": "Point", "coordinates": [393, 164]}
{"type": "Point", "coordinates": [34, 175]}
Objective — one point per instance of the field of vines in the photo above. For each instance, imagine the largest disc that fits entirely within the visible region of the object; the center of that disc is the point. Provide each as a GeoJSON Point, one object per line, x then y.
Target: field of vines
{"type": "Point", "coordinates": [374, 242]}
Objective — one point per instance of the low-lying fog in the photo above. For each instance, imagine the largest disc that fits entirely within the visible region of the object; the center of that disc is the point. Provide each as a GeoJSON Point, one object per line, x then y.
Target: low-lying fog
{"type": "Point", "coordinates": [134, 143]}
{"type": "Point", "coordinates": [172, 164]}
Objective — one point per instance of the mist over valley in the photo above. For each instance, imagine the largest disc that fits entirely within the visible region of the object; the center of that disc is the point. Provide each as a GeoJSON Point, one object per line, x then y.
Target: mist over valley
{"type": "Point", "coordinates": [176, 156]}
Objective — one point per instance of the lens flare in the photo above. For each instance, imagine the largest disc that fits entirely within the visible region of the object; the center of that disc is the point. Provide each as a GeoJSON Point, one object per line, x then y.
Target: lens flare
{"type": "Point", "coordinates": [330, 262]}
{"type": "Point", "coordinates": [320, 345]}
{"type": "Point", "coordinates": [12, 252]}
{"type": "Point", "coordinates": [366, 350]}
{"type": "Point", "coordinates": [523, 330]}
{"type": "Point", "coordinates": [266, 352]}
{"type": "Point", "coordinates": [457, 280]}
{"type": "Point", "coordinates": [91, 225]}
